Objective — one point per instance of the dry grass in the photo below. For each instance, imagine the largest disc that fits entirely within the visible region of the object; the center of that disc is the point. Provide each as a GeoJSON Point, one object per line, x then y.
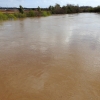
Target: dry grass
{"type": "Point", "coordinates": [9, 11]}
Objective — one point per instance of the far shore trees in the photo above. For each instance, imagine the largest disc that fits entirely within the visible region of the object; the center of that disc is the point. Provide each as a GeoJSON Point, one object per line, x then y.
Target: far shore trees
{"type": "Point", "coordinates": [69, 8]}
{"type": "Point", "coordinates": [38, 12]}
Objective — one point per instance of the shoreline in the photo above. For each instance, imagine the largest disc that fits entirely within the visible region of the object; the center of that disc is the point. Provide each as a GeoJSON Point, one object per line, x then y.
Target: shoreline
{"type": "Point", "coordinates": [16, 15]}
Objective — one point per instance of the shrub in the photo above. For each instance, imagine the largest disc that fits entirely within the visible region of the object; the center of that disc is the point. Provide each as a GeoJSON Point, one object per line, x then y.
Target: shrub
{"type": "Point", "coordinates": [30, 13]}
{"type": "Point", "coordinates": [44, 13]}
{"type": "Point", "coordinates": [37, 14]}
{"type": "Point", "coordinates": [19, 15]}
{"type": "Point", "coordinates": [3, 16]}
{"type": "Point", "coordinates": [49, 13]}
{"type": "Point", "coordinates": [11, 16]}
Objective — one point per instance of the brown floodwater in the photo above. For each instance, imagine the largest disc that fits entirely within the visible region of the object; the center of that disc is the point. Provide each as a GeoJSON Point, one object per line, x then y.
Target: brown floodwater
{"type": "Point", "coordinates": [50, 58]}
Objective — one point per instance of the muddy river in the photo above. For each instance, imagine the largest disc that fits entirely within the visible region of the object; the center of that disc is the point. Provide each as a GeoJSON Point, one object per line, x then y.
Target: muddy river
{"type": "Point", "coordinates": [50, 58]}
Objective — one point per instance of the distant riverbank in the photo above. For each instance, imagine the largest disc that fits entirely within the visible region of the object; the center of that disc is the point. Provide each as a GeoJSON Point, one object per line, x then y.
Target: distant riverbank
{"type": "Point", "coordinates": [21, 12]}
{"type": "Point", "coordinates": [31, 13]}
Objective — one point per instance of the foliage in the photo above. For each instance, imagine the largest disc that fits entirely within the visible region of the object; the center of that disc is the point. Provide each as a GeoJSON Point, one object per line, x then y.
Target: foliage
{"type": "Point", "coordinates": [57, 9]}
{"type": "Point", "coordinates": [48, 13]}
{"type": "Point", "coordinates": [44, 13]}
{"type": "Point", "coordinates": [30, 13]}
{"type": "Point", "coordinates": [21, 10]}
{"type": "Point", "coordinates": [19, 15]}
{"type": "Point", "coordinates": [11, 16]}
{"type": "Point", "coordinates": [7, 16]}
{"type": "Point", "coordinates": [39, 9]}
{"type": "Point", "coordinates": [69, 8]}
{"type": "Point", "coordinates": [3, 16]}
{"type": "Point", "coordinates": [64, 10]}
{"type": "Point", "coordinates": [96, 9]}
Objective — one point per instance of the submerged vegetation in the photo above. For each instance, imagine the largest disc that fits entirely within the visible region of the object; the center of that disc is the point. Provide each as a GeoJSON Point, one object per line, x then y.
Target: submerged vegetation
{"type": "Point", "coordinates": [38, 12]}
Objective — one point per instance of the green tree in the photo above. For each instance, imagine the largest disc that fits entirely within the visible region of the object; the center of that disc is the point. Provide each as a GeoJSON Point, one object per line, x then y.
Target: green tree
{"type": "Point", "coordinates": [57, 9]}
{"type": "Point", "coordinates": [64, 10]}
{"type": "Point", "coordinates": [21, 10]}
{"type": "Point", "coordinates": [39, 9]}
{"type": "Point", "coordinates": [50, 8]}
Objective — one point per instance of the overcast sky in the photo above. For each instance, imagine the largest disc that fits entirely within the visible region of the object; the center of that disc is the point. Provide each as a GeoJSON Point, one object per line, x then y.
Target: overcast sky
{"type": "Point", "coordinates": [46, 3]}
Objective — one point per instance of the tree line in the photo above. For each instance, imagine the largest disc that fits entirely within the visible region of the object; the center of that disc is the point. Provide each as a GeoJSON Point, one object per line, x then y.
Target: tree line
{"type": "Point", "coordinates": [57, 9]}
{"type": "Point", "coordinates": [70, 8]}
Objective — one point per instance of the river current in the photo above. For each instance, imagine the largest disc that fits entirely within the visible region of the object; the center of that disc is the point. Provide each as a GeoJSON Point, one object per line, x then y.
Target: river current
{"type": "Point", "coordinates": [50, 58]}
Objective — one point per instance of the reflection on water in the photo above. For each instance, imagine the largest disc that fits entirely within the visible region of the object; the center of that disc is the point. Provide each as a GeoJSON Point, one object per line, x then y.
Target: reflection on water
{"type": "Point", "coordinates": [52, 58]}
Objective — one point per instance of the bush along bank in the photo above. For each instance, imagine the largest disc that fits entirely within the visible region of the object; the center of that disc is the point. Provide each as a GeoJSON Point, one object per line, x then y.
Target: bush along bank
{"type": "Point", "coordinates": [31, 13]}
{"type": "Point", "coordinates": [38, 12]}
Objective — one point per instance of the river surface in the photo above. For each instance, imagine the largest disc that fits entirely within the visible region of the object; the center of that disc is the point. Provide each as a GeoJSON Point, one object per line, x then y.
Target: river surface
{"type": "Point", "coordinates": [50, 58]}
